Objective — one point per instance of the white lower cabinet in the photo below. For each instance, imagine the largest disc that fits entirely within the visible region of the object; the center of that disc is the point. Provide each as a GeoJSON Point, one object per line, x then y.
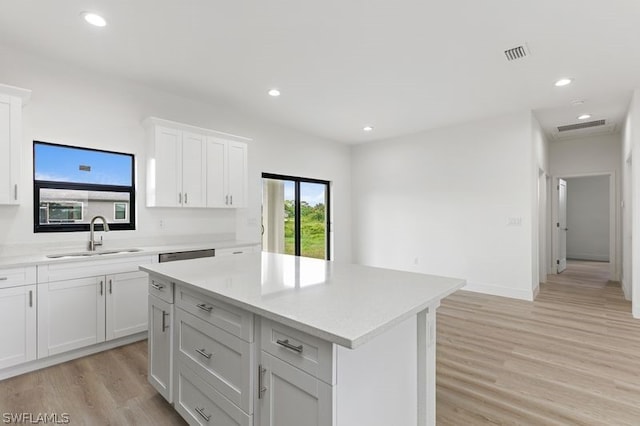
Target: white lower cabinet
{"type": "Point", "coordinates": [76, 311]}
{"type": "Point", "coordinates": [160, 346]}
{"type": "Point", "coordinates": [291, 397]}
{"type": "Point", "coordinates": [71, 314]}
{"type": "Point", "coordinates": [17, 325]}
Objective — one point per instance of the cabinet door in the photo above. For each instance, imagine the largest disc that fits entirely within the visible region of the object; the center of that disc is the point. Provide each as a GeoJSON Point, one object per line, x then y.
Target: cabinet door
{"type": "Point", "coordinates": [70, 314]}
{"type": "Point", "coordinates": [217, 195]}
{"type": "Point", "coordinates": [127, 311]}
{"type": "Point", "coordinates": [194, 170]}
{"type": "Point", "coordinates": [168, 167]}
{"type": "Point", "coordinates": [17, 325]}
{"type": "Point", "coordinates": [160, 346]}
{"type": "Point", "coordinates": [292, 397]}
{"type": "Point", "coordinates": [237, 174]}
{"type": "Point", "coordinates": [10, 139]}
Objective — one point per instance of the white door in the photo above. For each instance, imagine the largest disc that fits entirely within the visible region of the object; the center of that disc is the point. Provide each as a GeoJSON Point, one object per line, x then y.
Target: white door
{"type": "Point", "coordinates": [18, 317]}
{"type": "Point", "coordinates": [562, 225]}
{"type": "Point", "coordinates": [168, 164]}
{"type": "Point", "coordinates": [194, 170]}
{"type": "Point", "coordinates": [160, 336]}
{"type": "Point", "coordinates": [292, 397]}
{"type": "Point", "coordinates": [70, 314]}
{"type": "Point", "coordinates": [217, 195]}
{"type": "Point", "coordinates": [237, 160]}
{"type": "Point", "coordinates": [126, 304]}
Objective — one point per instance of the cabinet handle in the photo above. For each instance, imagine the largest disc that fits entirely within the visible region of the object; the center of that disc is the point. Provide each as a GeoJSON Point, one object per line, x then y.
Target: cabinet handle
{"type": "Point", "coordinates": [185, 198]}
{"type": "Point", "coordinates": [179, 197]}
{"type": "Point", "coordinates": [110, 286]}
{"type": "Point", "coordinates": [231, 198]}
{"type": "Point", "coordinates": [237, 252]}
{"type": "Point", "coordinates": [261, 388]}
{"type": "Point", "coordinates": [288, 345]}
{"type": "Point", "coordinates": [101, 292]}
{"type": "Point", "coordinates": [15, 192]}
{"type": "Point", "coordinates": [226, 199]}
{"type": "Point", "coordinates": [205, 307]}
{"type": "Point", "coordinates": [4, 278]}
{"type": "Point", "coordinates": [156, 286]}
{"type": "Point", "coordinates": [201, 412]}
{"type": "Point", "coordinates": [30, 298]}
{"type": "Point", "coordinates": [164, 321]}
{"type": "Point", "coordinates": [204, 353]}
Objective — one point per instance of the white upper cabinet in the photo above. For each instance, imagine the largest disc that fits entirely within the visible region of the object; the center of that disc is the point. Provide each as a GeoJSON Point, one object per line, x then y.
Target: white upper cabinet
{"type": "Point", "coordinates": [11, 101]}
{"type": "Point", "coordinates": [193, 167]}
{"type": "Point", "coordinates": [226, 173]}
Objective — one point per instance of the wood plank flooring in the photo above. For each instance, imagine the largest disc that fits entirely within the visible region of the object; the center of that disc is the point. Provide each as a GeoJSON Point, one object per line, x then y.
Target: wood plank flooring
{"type": "Point", "coordinates": [108, 388]}
{"type": "Point", "coordinates": [572, 357]}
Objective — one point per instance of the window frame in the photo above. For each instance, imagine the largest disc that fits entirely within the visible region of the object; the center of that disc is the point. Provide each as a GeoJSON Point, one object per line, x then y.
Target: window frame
{"type": "Point", "coordinates": [82, 227]}
{"type": "Point", "coordinates": [297, 225]}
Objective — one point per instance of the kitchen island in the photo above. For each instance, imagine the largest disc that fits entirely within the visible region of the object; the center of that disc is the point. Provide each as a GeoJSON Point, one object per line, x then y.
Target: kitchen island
{"type": "Point", "coordinates": [278, 340]}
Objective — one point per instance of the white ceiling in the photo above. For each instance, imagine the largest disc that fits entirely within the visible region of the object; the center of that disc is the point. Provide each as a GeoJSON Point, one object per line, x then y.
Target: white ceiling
{"type": "Point", "coordinates": [400, 65]}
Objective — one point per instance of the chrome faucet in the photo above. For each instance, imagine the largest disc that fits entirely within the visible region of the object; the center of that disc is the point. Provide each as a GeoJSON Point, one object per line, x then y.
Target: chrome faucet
{"type": "Point", "coordinates": [92, 243]}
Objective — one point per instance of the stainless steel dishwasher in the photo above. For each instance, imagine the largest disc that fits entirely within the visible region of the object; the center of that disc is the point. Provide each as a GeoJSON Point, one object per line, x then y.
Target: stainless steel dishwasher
{"type": "Point", "coordinates": [184, 255]}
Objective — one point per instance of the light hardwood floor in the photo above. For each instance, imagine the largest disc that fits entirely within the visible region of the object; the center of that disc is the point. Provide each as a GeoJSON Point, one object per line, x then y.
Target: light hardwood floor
{"type": "Point", "coordinates": [572, 357]}
{"type": "Point", "coordinates": [108, 388]}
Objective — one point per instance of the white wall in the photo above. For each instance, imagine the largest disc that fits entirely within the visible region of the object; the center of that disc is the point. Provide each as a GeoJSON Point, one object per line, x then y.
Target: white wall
{"type": "Point", "coordinates": [595, 155]}
{"type": "Point", "coordinates": [80, 107]}
{"type": "Point", "coordinates": [440, 202]}
{"type": "Point", "coordinates": [541, 243]}
{"type": "Point", "coordinates": [631, 200]}
{"type": "Point", "coordinates": [588, 218]}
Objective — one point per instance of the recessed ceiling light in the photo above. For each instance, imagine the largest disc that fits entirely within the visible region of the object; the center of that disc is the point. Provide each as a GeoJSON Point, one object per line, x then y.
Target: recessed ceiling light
{"type": "Point", "coordinates": [274, 92]}
{"type": "Point", "coordinates": [367, 128]}
{"type": "Point", "coordinates": [563, 82]}
{"type": "Point", "coordinates": [94, 19]}
{"type": "Point", "coordinates": [584, 116]}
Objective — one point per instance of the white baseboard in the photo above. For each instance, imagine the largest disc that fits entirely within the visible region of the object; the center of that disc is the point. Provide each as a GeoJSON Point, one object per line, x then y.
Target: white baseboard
{"type": "Point", "coordinates": [588, 256]}
{"type": "Point", "coordinates": [38, 364]}
{"type": "Point", "coordinates": [626, 289]}
{"type": "Point", "coordinates": [636, 311]}
{"type": "Point", "coordinates": [513, 293]}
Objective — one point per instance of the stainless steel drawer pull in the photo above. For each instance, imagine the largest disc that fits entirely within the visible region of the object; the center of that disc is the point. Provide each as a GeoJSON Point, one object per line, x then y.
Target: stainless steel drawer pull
{"type": "Point", "coordinates": [204, 353]}
{"type": "Point", "coordinates": [101, 288]}
{"type": "Point", "coordinates": [201, 412]}
{"type": "Point", "coordinates": [205, 307]}
{"type": "Point", "coordinates": [164, 321]}
{"type": "Point", "coordinates": [288, 345]}
{"type": "Point", "coordinates": [110, 286]}
{"type": "Point", "coordinates": [4, 278]}
{"type": "Point", "coordinates": [238, 252]}
{"type": "Point", "coordinates": [156, 286]}
{"type": "Point", "coordinates": [30, 298]}
{"type": "Point", "coordinates": [261, 373]}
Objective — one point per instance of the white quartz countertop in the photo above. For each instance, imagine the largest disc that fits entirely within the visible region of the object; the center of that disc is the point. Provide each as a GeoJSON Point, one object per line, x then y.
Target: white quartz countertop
{"type": "Point", "coordinates": [343, 303]}
{"type": "Point", "coordinates": [41, 258]}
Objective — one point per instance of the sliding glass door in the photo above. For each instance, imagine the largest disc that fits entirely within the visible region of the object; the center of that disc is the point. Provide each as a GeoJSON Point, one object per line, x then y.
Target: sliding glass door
{"type": "Point", "coordinates": [295, 216]}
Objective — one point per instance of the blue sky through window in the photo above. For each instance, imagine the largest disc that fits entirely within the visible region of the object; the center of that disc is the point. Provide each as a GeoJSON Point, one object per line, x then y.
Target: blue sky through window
{"type": "Point", "coordinates": [62, 164]}
{"type": "Point", "coordinates": [312, 193]}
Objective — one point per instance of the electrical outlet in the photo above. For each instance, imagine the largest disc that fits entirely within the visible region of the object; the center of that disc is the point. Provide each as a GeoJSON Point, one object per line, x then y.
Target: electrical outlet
{"type": "Point", "coordinates": [514, 221]}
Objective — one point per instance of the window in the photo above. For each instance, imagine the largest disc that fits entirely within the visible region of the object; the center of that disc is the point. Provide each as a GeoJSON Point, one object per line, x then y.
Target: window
{"type": "Point", "coordinates": [295, 216]}
{"type": "Point", "coordinates": [71, 185]}
{"type": "Point", "coordinates": [120, 211]}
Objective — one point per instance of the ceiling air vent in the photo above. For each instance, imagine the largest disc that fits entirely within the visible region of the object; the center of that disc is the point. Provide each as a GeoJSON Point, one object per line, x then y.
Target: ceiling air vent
{"type": "Point", "coordinates": [518, 52]}
{"type": "Point", "coordinates": [580, 126]}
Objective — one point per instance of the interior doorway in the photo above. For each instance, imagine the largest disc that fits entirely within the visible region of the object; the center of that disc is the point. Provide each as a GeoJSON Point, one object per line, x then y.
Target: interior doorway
{"type": "Point", "coordinates": [585, 229]}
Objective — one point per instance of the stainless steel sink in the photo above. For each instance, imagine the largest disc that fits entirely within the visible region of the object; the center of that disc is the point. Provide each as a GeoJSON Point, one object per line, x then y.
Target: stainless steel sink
{"type": "Point", "coordinates": [92, 253]}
